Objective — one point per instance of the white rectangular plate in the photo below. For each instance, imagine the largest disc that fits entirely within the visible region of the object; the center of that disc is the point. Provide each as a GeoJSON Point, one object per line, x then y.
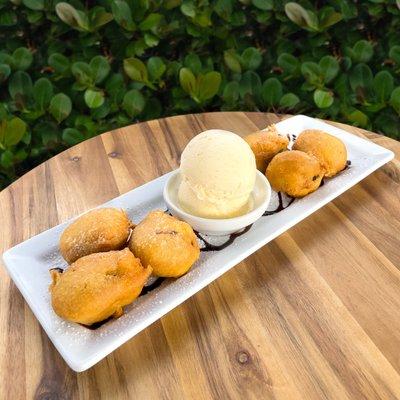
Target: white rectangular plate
{"type": "Point", "coordinates": [29, 262]}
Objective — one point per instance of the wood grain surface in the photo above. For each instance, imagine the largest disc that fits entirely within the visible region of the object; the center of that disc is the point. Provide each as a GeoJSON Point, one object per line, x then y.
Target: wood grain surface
{"type": "Point", "coordinates": [315, 314]}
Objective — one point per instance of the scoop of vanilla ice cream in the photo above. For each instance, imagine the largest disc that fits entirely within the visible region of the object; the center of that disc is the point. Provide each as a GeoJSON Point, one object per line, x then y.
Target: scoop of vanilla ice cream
{"type": "Point", "coordinates": [218, 172]}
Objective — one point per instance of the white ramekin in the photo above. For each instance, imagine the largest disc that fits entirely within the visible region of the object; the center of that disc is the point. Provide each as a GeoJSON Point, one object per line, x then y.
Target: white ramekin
{"type": "Point", "coordinates": [261, 196]}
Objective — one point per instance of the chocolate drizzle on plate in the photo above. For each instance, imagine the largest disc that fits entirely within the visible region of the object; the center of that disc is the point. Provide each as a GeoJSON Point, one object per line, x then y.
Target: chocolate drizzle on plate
{"type": "Point", "coordinates": [60, 270]}
{"type": "Point", "coordinates": [280, 207]}
{"type": "Point", "coordinates": [97, 325]}
{"type": "Point", "coordinates": [207, 246]}
{"type": "Point", "coordinates": [291, 137]}
{"type": "Point", "coordinates": [152, 286]}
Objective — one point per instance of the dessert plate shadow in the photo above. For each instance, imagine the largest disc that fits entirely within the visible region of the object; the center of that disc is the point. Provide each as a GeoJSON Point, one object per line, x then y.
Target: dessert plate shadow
{"type": "Point", "coordinates": [29, 262]}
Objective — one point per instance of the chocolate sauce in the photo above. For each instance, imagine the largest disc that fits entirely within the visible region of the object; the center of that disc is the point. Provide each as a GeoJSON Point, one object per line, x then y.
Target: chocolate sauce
{"type": "Point", "coordinates": [291, 137]}
{"type": "Point", "coordinates": [215, 247]}
{"type": "Point", "coordinates": [154, 285]}
{"type": "Point", "coordinates": [280, 207]}
{"type": "Point", "coordinates": [97, 325]}
{"type": "Point", "coordinates": [60, 270]}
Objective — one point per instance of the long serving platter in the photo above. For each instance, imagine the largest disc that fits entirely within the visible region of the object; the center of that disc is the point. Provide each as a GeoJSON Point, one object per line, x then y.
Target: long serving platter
{"type": "Point", "coordinates": [29, 262]}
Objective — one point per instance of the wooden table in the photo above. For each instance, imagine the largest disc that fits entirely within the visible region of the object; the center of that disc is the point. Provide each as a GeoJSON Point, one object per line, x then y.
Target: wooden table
{"type": "Point", "coordinates": [315, 314]}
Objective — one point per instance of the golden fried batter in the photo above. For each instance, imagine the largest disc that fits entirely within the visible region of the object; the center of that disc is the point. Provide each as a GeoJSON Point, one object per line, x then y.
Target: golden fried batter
{"type": "Point", "coordinates": [167, 244]}
{"type": "Point", "coordinates": [295, 173]}
{"type": "Point", "coordinates": [99, 230]}
{"type": "Point", "coordinates": [97, 286]}
{"type": "Point", "coordinates": [265, 145]}
{"type": "Point", "coordinates": [330, 151]}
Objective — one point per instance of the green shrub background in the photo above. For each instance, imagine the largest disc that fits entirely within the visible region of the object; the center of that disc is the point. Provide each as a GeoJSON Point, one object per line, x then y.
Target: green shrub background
{"type": "Point", "coordinates": [69, 71]}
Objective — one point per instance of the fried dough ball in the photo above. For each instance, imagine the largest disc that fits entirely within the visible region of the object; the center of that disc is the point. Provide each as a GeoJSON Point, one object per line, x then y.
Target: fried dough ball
{"type": "Point", "coordinates": [166, 243]}
{"type": "Point", "coordinates": [99, 230]}
{"type": "Point", "coordinates": [97, 286]}
{"type": "Point", "coordinates": [265, 145]}
{"type": "Point", "coordinates": [330, 151]}
{"type": "Point", "coordinates": [295, 173]}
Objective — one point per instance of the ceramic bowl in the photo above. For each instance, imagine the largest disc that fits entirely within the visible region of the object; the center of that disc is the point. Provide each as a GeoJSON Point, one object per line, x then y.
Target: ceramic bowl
{"type": "Point", "coordinates": [260, 198]}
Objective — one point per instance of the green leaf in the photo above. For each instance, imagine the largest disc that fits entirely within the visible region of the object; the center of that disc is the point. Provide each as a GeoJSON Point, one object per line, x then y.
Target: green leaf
{"type": "Point", "coordinates": [251, 58]}
{"type": "Point", "coordinates": [20, 155]}
{"type": "Point", "coordinates": [208, 85]}
{"type": "Point", "coordinates": [59, 63]}
{"type": "Point", "coordinates": [231, 92]}
{"type": "Point", "coordinates": [5, 58]}
{"type": "Point", "coordinates": [73, 136]}
{"type": "Point", "coordinates": [250, 86]}
{"type": "Point", "coordinates": [60, 107]}
{"type": "Point", "coordinates": [348, 9]}
{"type": "Point", "coordinates": [329, 67]}
{"type": "Point", "coordinates": [203, 18]}
{"type": "Point", "coordinates": [34, 4]}
{"type": "Point", "coordinates": [42, 93]}
{"type": "Point", "coordinates": [193, 62]}
{"type": "Point", "coordinates": [86, 123]}
{"type": "Point", "coordinates": [3, 112]}
{"type": "Point", "coordinates": [93, 98]}
{"type": "Point", "coordinates": [329, 17]}
{"type": "Point", "coordinates": [156, 68]}
{"type": "Point", "coordinates": [358, 118]}
{"type": "Point", "coordinates": [48, 131]}
{"type": "Point", "coordinates": [8, 18]}
{"type": "Point", "coordinates": [323, 98]}
{"type": "Point", "coordinates": [395, 99]}
{"type": "Point", "coordinates": [289, 101]}
{"type": "Point", "coordinates": [360, 77]}
{"type": "Point", "coordinates": [5, 72]}
{"type": "Point", "coordinates": [133, 102]}
{"type": "Point", "coordinates": [7, 159]}
{"type": "Point", "coordinates": [20, 84]}
{"type": "Point", "coordinates": [394, 54]}
{"type": "Point", "coordinates": [224, 8]}
{"type": "Point", "coordinates": [362, 51]}
{"type": "Point", "coordinates": [102, 111]}
{"type": "Point", "coordinates": [123, 15]}
{"type": "Point", "coordinates": [83, 73]}
{"type": "Point", "coordinates": [115, 88]}
{"type": "Point", "coordinates": [151, 22]}
{"type": "Point", "coordinates": [136, 70]}
{"type": "Point", "coordinates": [150, 39]}
{"type": "Point", "coordinates": [232, 61]}
{"type": "Point", "coordinates": [188, 8]}
{"type": "Point", "coordinates": [304, 18]}
{"type": "Point", "coordinates": [98, 17]}
{"type": "Point", "coordinates": [383, 85]}
{"type": "Point", "coordinates": [289, 63]}
{"type": "Point", "coordinates": [271, 92]}
{"type": "Point", "coordinates": [34, 17]}
{"type": "Point", "coordinates": [265, 5]}
{"type": "Point", "coordinates": [72, 17]}
{"type": "Point", "coordinates": [22, 58]}
{"type": "Point", "coordinates": [312, 72]}
{"type": "Point", "coordinates": [238, 18]}
{"type": "Point", "coordinates": [188, 81]}
{"type": "Point", "coordinates": [12, 132]}
{"type": "Point", "coordinates": [100, 68]}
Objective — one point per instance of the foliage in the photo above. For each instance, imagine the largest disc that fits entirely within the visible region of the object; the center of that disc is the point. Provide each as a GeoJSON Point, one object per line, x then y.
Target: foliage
{"type": "Point", "coordinates": [69, 71]}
